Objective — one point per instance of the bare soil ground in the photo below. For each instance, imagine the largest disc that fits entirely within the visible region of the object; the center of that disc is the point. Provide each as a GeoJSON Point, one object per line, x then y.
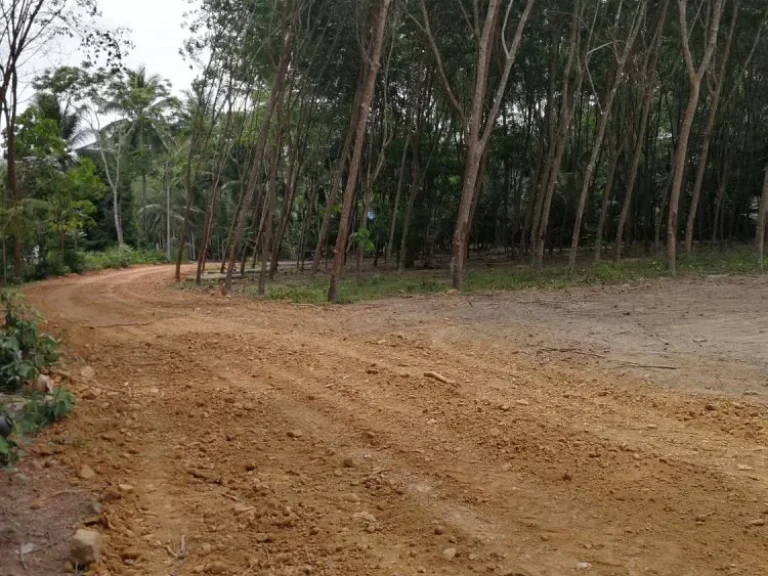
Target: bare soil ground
{"type": "Point", "coordinates": [613, 431]}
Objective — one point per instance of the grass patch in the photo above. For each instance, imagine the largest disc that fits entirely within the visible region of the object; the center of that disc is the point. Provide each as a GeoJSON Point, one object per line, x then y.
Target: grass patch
{"type": "Point", "coordinates": [121, 258]}
{"type": "Point", "coordinates": [373, 287]}
{"type": "Point", "coordinates": [302, 290]}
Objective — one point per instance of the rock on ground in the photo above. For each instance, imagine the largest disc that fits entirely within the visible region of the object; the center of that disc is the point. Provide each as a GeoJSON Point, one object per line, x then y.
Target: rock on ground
{"type": "Point", "coordinates": [86, 548]}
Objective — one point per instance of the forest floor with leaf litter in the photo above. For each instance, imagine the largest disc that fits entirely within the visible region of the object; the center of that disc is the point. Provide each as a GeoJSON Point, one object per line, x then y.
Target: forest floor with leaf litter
{"type": "Point", "coordinates": [601, 430]}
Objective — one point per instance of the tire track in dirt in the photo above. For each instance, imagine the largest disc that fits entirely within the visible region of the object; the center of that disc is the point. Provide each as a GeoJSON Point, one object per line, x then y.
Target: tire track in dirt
{"type": "Point", "coordinates": [231, 422]}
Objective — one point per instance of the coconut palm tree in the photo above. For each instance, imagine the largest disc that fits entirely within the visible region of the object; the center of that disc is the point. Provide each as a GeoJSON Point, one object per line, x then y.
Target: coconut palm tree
{"type": "Point", "coordinates": [68, 118]}
{"type": "Point", "coordinates": [144, 104]}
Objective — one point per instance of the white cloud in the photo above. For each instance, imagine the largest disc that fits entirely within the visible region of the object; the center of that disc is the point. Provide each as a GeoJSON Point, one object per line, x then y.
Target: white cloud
{"type": "Point", "coordinates": [155, 30]}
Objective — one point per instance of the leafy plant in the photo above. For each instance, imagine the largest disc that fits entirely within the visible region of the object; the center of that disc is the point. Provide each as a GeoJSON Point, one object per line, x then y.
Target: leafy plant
{"type": "Point", "coordinates": [8, 452]}
{"type": "Point", "coordinates": [24, 351]}
{"type": "Point", "coordinates": [42, 411]}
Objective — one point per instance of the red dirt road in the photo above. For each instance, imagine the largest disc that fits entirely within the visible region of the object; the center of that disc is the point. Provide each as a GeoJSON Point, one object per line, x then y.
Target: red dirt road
{"type": "Point", "coordinates": [276, 439]}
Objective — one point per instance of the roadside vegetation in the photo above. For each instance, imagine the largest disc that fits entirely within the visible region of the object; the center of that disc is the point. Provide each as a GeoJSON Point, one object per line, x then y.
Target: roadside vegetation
{"type": "Point", "coordinates": [495, 276]}
{"type": "Point", "coordinates": [29, 398]}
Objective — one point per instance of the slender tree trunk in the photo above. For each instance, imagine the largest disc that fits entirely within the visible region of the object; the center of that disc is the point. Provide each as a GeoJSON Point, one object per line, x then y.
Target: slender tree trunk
{"type": "Point", "coordinates": [285, 217]}
{"type": "Point", "coordinates": [718, 81]}
{"type": "Point", "coordinates": [761, 222]}
{"type": "Point", "coordinates": [377, 41]}
{"type": "Point", "coordinates": [604, 119]}
{"type": "Point", "coordinates": [255, 176]}
{"type": "Point", "coordinates": [13, 186]}
{"type": "Point", "coordinates": [694, 83]}
{"type": "Point", "coordinates": [613, 163]}
{"type": "Point", "coordinates": [143, 206]}
{"type": "Point", "coordinates": [336, 180]}
{"type": "Point", "coordinates": [650, 67]}
{"type": "Point", "coordinates": [306, 222]}
{"type": "Point", "coordinates": [571, 85]}
{"type": "Point", "coordinates": [413, 194]}
{"type": "Point", "coordinates": [265, 231]}
{"type": "Point", "coordinates": [396, 208]}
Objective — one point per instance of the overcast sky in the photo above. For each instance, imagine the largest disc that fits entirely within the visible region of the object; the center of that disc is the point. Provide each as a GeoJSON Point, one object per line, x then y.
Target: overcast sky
{"type": "Point", "coordinates": [155, 29]}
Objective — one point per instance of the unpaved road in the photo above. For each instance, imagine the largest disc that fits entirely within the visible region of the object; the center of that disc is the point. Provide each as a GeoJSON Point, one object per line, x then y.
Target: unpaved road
{"type": "Point", "coordinates": [283, 440]}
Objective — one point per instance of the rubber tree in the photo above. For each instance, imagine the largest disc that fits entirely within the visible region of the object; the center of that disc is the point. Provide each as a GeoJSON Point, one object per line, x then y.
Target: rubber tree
{"type": "Point", "coordinates": [478, 123]}
{"type": "Point", "coordinates": [254, 179]}
{"type": "Point", "coordinates": [605, 115]}
{"type": "Point", "coordinates": [717, 79]}
{"type": "Point", "coordinates": [762, 215]}
{"type": "Point", "coordinates": [695, 76]}
{"type": "Point", "coordinates": [649, 76]}
{"type": "Point", "coordinates": [379, 26]}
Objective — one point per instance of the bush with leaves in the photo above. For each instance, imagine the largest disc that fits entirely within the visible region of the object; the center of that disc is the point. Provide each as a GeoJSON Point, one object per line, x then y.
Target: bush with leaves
{"type": "Point", "coordinates": [35, 414]}
{"type": "Point", "coordinates": [24, 351]}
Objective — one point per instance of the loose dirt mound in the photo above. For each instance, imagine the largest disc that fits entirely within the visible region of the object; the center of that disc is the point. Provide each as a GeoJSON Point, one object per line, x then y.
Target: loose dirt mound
{"type": "Point", "coordinates": [232, 437]}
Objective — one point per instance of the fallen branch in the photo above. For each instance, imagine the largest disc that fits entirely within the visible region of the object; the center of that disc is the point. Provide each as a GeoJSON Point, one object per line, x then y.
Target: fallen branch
{"type": "Point", "coordinates": [439, 378]}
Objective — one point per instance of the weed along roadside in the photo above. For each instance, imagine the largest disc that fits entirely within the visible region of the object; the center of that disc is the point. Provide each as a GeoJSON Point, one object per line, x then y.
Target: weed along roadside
{"type": "Point", "coordinates": [502, 276]}
{"type": "Point", "coordinates": [33, 397]}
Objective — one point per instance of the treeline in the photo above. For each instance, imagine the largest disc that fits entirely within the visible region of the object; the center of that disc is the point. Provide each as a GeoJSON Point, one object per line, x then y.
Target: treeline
{"type": "Point", "coordinates": [410, 130]}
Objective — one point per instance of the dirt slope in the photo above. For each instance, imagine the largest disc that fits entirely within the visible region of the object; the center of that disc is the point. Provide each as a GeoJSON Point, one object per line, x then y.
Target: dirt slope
{"type": "Point", "coordinates": [283, 440]}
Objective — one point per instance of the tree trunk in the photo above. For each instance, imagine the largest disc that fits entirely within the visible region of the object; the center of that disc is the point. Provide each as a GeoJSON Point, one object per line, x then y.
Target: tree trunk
{"type": "Point", "coordinates": [265, 231]}
{"type": "Point", "coordinates": [694, 82]}
{"type": "Point", "coordinates": [377, 40]}
{"type": "Point", "coordinates": [761, 222]}
{"type": "Point", "coordinates": [718, 81]}
{"type": "Point", "coordinates": [322, 240]}
{"type": "Point", "coordinates": [285, 217]}
{"type": "Point", "coordinates": [396, 208]}
{"type": "Point", "coordinates": [255, 176]}
{"type": "Point", "coordinates": [613, 162]}
{"type": "Point", "coordinates": [13, 186]}
{"type": "Point", "coordinates": [604, 119]}
{"type": "Point", "coordinates": [548, 180]}
{"type": "Point", "coordinates": [650, 67]}
{"type": "Point", "coordinates": [413, 194]}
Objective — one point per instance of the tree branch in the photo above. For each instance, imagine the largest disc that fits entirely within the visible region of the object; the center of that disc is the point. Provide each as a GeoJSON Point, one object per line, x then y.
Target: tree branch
{"type": "Point", "coordinates": [439, 61]}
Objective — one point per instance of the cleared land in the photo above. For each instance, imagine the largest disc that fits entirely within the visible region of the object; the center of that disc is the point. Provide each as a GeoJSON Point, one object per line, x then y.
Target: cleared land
{"type": "Point", "coordinates": [608, 431]}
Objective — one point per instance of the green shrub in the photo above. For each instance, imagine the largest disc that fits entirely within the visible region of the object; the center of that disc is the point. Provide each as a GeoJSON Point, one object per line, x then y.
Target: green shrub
{"type": "Point", "coordinates": [121, 258]}
{"type": "Point", "coordinates": [24, 350]}
{"type": "Point", "coordinates": [36, 413]}
{"type": "Point", "coordinates": [8, 452]}
{"type": "Point", "coordinates": [75, 261]}
{"type": "Point", "coordinates": [54, 265]}
{"type": "Point", "coordinates": [42, 411]}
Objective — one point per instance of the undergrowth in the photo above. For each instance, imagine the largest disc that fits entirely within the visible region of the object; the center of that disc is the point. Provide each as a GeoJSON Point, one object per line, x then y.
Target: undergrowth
{"type": "Point", "coordinates": [302, 290]}
{"type": "Point", "coordinates": [25, 354]}
{"type": "Point", "coordinates": [24, 351]}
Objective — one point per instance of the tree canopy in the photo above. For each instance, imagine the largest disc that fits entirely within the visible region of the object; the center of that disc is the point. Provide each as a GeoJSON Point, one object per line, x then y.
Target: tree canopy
{"type": "Point", "coordinates": [415, 132]}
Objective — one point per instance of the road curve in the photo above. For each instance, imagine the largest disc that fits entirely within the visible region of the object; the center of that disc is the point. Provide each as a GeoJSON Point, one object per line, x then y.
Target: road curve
{"type": "Point", "coordinates": [376, 440]}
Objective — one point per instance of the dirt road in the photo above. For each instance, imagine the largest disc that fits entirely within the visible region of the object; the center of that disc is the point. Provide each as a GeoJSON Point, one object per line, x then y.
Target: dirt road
{"type": "Point", "coordinates": [565, 437]}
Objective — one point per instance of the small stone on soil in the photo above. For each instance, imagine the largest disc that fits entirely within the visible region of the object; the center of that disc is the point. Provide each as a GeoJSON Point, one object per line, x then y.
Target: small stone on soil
{"type": "Point", "coordinates": [450, 553]}
{"type": "Point", "coordinates": [87, 473]}
{"type": "Point", "coordinates": [583, 565]}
